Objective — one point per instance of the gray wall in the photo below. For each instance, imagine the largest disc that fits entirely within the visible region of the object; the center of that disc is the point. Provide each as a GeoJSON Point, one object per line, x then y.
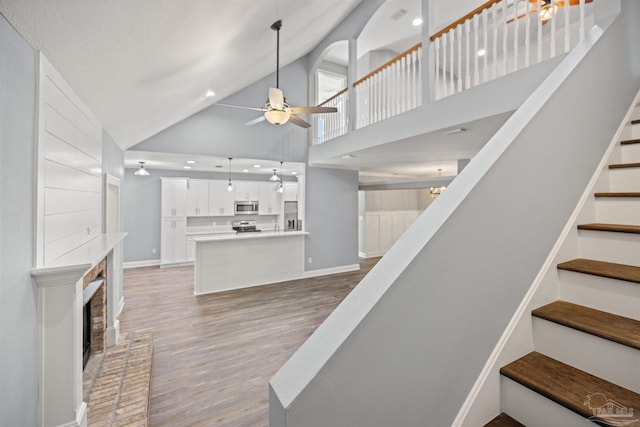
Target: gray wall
{"type": "Point", "coordinates": [18, 327]}
{"type": "Point", "coordinates": [397, 200]}
{"type": "Point", "coordinates": [112, 157]}
{"type": "Point", "coordinates": [332, 218]}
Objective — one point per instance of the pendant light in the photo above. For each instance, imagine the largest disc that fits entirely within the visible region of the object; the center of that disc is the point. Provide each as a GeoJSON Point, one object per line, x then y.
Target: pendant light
{"type": "Point", "coordinates": [435, 192]}
{"type": "Point", "coordinates": [280, 187]}
{"type": "Point", "coordinates": [548, 8]}
{"type": "Point", "coordinates": [274, 177]}
{"type": "Point", "coordinates": [142, 171]}
{"type": "Point", "coordinates": [230, 186]}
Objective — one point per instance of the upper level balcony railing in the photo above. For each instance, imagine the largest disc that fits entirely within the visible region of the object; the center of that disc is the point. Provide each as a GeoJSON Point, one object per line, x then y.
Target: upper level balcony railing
{"type": "Point", "coordinates": [497, 38]}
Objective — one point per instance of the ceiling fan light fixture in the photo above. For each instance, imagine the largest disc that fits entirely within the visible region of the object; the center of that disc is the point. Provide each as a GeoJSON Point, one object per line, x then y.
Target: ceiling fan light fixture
{"type": "Point", "coordinates": [274, 177]}
{"type": "Point", "coordinates": [548, 8]}
{"type": "Point", "coordinates": [277, 117]}
{"type": "Point", "coordinates": [142, 171]}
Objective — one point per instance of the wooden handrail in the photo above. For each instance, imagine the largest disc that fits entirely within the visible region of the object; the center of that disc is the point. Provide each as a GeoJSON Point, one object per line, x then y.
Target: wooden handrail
{"type": "Point", "coordinates": [389, 62]}
{"type": "Point", "coordinates": [469, 15]}
{"type": "Point", "coordinates": [333, 97]}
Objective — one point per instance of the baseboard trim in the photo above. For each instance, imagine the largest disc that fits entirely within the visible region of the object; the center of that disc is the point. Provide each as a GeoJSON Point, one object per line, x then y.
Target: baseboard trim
{"type": "Point", "coordinates": [147, 263]}
{"type": "Point", "coordinates": [113, 332]}
{"type": "Point", "coordinates": [81, 417]}
{"type": "Point", "coordinates": [332, 270]}
{"type": "Point", "coordinates": [121, 306]}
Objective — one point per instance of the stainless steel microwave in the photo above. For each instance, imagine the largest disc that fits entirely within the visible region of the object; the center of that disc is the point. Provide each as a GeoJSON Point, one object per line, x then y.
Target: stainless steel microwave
{"type": "Point", "coordinates": [246, 208]}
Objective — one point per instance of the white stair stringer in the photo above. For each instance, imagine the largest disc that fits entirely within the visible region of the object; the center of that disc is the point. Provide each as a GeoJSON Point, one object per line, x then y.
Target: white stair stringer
{"type": "Point", "coordinates": [597, 356]}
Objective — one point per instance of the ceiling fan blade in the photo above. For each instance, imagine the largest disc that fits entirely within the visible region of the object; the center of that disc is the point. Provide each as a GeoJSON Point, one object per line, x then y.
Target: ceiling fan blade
{"type": "Point", "coordinates": [313, 110]}
{"type": "Point", "coordinates": [240, 106]}
{"type": "Point", "coordinates": [276, 98]}
{"type": "Point", "coordinates": [298, 121]}
{"type": "Point", "coordinates": [255, 121]}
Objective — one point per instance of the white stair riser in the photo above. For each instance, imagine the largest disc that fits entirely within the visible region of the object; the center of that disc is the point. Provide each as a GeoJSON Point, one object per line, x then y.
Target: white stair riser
{"type": "Point", "coordinates": [626, 179]}
{"type": "Point", "coordinates": [618, 210]}
{"type": "Point", "coordinates": [621, 248]}
{"type": "Point", "coordinates": [630, 153]}
{"type": "Point", "coordinates": [534, 410]}
{"type": "Point", "coordinates": [611, 361]}
{"type": "Point", "coordinates": [615, 296]}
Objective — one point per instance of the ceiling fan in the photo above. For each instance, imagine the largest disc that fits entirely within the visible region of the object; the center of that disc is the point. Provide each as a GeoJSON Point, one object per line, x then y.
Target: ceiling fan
{"type": "Point", "coordinates": [276, 110]}
{"type": "Point", "coordinates": [548, 8]}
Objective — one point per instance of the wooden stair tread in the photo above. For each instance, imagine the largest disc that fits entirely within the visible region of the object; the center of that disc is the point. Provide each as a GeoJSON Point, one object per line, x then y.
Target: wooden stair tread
{"type": "Point", "coordinates": [618, 194]}
{"type": "Point", "coordinates": [572, 388]}
{"type": "Point", "coordinates": [624, 165]}
{"type": "Point", "coordinates": [635, 122]}
{"type": "Point", "coordinates": [630, 141]}
{"type": "Point", "coordinates": [503, 420]}
{"type": "Point", "coordinates": [630, 273]}
{"type": "Point", "coordinates": [612, 327]}
{"type": "Point", "coordinates": [618, 228]}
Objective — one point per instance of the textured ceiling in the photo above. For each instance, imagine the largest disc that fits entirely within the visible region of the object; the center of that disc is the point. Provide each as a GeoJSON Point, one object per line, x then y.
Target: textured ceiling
{"type": "Point", "coordinates": [144, 65]}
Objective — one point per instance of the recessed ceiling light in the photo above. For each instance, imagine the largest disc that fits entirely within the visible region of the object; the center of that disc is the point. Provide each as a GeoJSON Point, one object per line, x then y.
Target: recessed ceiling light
{"type": "Point", "coordinates": [454, 131]}
{"type": "Point", "coordinates": [348, 156]}
{"type": "Point", "coordinates": [256, 166]}
{"type": "Point", "coordinates": [187, 167]}
{"type": "Point", "coordinates": [191, 162]}
{"type": "Point", "coordinates": [218, 166]}
{"type": "Point", "coordinates": [417, 22]}
{"type": "Point", "coordinates": [294, 173]}
{"type": "Point", "coordinates": [209, 94]}
{"type": "Point", "coordinates": [245, 170]}
{"type": "Point", "coordinates": [482, 52]}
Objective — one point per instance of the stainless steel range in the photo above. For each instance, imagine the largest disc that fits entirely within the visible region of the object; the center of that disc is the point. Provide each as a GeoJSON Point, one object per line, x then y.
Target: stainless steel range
{"type": "Point", "coordinates": [248, 226]}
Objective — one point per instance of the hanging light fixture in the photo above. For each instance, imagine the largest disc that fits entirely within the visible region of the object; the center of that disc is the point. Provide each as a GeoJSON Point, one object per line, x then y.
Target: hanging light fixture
{"type": "Point", "coordinates": [274, 177]}
{"type": "Point", "coordinates": [277, 117]}
{"type": "Point", "coordinates": [548, 8]}
{"type": "Point", "coordinates": [280, 187]}
{"type": "Point", "coordinates": [436, 191]}
{"type": "Point", "coordinates": [142, 171]}
{"type": "Point", "coordinates": [230, 186]}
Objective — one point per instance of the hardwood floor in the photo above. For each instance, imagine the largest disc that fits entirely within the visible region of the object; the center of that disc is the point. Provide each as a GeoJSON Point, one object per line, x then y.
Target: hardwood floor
{"type": "Point", "coordinates": [214, 354]}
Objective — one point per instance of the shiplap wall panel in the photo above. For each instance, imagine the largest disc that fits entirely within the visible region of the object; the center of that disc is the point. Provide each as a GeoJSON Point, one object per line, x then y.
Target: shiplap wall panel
{"type": "Point", "coordinates": [69, 211]}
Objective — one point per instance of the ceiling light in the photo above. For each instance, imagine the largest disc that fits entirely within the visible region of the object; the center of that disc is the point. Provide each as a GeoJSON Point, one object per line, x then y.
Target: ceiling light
{"type": "Point", "coordinates": [230, 186]}
{"type": "Point", "coordinates": [454, 131]}
{"type": "Point", "coordinates": [417, 22]}
{"type": "Point", "coordinates": [280, 187]}
{"type": "Point", "coordinates": [482, 52]}
{"type": "Point", "coordinates": [142, 171]}
{"type": "Point", "coordinates": [256, 166]}
{"type": "Point", "coordinates": [277, 117]}
{"type": "Point", "coordinates": [191, 162]}
{"type": "Point", "coordinates": [274, 177]}
{"type": "Point", "coordinates": [187, 167]}
{"type": "Point", "coordinates": [548, 8]}
{"type": "Point", "coordinates": [294, 173]}
{"type": "Point", "coordinates": [209, 94]}
{"type": "Point", "coordinates": [245, 170]}
{"type": "Point", "coordinates": [348, 156]}
{"type": "Point", "coordinates": [436, 191]}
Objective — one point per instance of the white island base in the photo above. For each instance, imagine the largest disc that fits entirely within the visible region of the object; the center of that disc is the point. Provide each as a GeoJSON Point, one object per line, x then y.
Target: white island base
{"type": "Point", "coordinates": [237, 261]}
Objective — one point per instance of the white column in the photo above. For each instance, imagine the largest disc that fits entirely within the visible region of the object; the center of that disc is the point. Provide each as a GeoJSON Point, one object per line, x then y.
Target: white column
{"type": "Point", "coordinates": [60, 346]}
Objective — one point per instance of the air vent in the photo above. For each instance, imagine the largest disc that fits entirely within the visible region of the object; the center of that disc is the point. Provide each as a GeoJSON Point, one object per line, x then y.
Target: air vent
{"type": "Point", "coordinates": [398, 14]}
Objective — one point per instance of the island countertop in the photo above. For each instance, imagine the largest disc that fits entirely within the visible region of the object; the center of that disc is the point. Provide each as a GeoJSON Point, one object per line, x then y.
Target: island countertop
{"type": "Point", "coordinates": [238, 236]}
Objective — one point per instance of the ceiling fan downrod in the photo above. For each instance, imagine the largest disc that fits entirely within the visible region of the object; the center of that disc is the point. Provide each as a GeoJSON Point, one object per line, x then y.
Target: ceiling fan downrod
{"type": "Point", "coordinates": [276, 27]}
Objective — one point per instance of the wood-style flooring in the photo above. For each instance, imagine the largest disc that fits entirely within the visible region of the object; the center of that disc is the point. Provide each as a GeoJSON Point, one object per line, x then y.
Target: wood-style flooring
{"type": "Point", "coordinates": [214, 354]}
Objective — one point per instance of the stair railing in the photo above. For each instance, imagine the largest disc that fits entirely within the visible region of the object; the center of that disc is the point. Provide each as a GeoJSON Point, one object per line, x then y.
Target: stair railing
{"type": "Point", "coordinates": [333, 125]}
{"type": "Point", "coordinates": [503, 36]}
{"type": "Point", "coordinates": [391, 89]}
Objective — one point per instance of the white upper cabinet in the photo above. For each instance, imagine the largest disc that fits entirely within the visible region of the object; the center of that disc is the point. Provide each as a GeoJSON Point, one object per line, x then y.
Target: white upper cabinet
{"type": "Point", "coordinates": [220, 199]}
{"type": "Point", "coordinates": [174, 197]}
{"type": "Point", "coordinates": [290, 191]}
{"type": "Point", "coordinates": [246, 190]}
{"type": "Point", "coordinates": [270, 199]}
{"type": "Point", "coordinates": [198, 197]}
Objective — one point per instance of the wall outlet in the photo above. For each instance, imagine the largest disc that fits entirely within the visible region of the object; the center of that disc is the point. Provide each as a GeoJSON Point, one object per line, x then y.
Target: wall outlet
{"type": "Point", "coordinates": [310, 260]}
{"type": "Point", "coordinates": [153, 251]}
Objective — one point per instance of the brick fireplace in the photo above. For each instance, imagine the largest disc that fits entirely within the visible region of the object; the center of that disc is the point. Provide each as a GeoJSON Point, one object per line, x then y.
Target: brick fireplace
{"type": "Point", "coordinates": [94, 285]}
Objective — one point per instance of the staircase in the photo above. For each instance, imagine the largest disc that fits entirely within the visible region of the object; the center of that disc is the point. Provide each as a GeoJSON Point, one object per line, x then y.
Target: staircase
{"type": "Point", "coordinates": [586, 363]}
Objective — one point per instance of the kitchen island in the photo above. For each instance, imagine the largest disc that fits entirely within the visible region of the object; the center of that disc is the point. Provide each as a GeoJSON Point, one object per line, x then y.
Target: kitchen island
{"type": "Point", "coordinates": [233, 261]}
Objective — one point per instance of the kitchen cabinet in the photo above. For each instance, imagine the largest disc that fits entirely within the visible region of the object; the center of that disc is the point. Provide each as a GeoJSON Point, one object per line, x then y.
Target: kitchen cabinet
{"type": "Point", "coordinates": [220, 199]}
{"type": "Point", "coordinates": [173, 197]}
{"type": "Point", "coordinates": [173, 241]}
{"type": "Point", "coordinates": [290, 191]}
{"type": "Point", "coordinates": [198, 197]}
{"type": "Point", "coordinates": [246, 190]}
{"type": "Point", "coordinates": [269, 199]}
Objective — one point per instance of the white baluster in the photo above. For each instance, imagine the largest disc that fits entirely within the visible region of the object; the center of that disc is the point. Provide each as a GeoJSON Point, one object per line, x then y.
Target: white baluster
{"type": "Point", "coordinates": [467, 74]}
{"type": "Point", "coordinates": [516, 27]}
{"type": "Point", "coordinates": [582, 23]}
{"type": "Point", "coordinates": [384, 99]}
{"type": "Point", "coordinates": [476, 71]}
{"type": "Point", "coordinates": [403, 99]}
{"type": "Point", "coordinates": [539, 38]}
{"type": "Point", "coordinates": [485, 45]}
{"type": "Point", "coordinates": [527, 34]}
{"type": "Point", "coordinates": [436, 92]}
{"type": "Point", "coordinates": [494, 9]}
{"type": "Point", "coordinates": [418, 76]}
{"type": "Point", "coordinates": [567, 27]}
{"type": "Point", "coordinates": [452, 89]}
{"type": "Point", "coordinates": [445, 88]}
{"type": "Point", "coordinates": [505, 34]}
{"type": "Point", "coordinates": [459, 58]}
{"type": "Point", "coordinates": [552, 47]}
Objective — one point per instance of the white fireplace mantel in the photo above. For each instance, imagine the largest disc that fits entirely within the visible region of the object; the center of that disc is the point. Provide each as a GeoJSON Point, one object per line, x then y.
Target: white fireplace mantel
{"type": "Point", "coordinates": [59, 285]}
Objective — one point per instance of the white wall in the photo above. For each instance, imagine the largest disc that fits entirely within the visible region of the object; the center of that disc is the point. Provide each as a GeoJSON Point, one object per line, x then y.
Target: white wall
{"type": "Point", "coordinates": [18, 330]}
